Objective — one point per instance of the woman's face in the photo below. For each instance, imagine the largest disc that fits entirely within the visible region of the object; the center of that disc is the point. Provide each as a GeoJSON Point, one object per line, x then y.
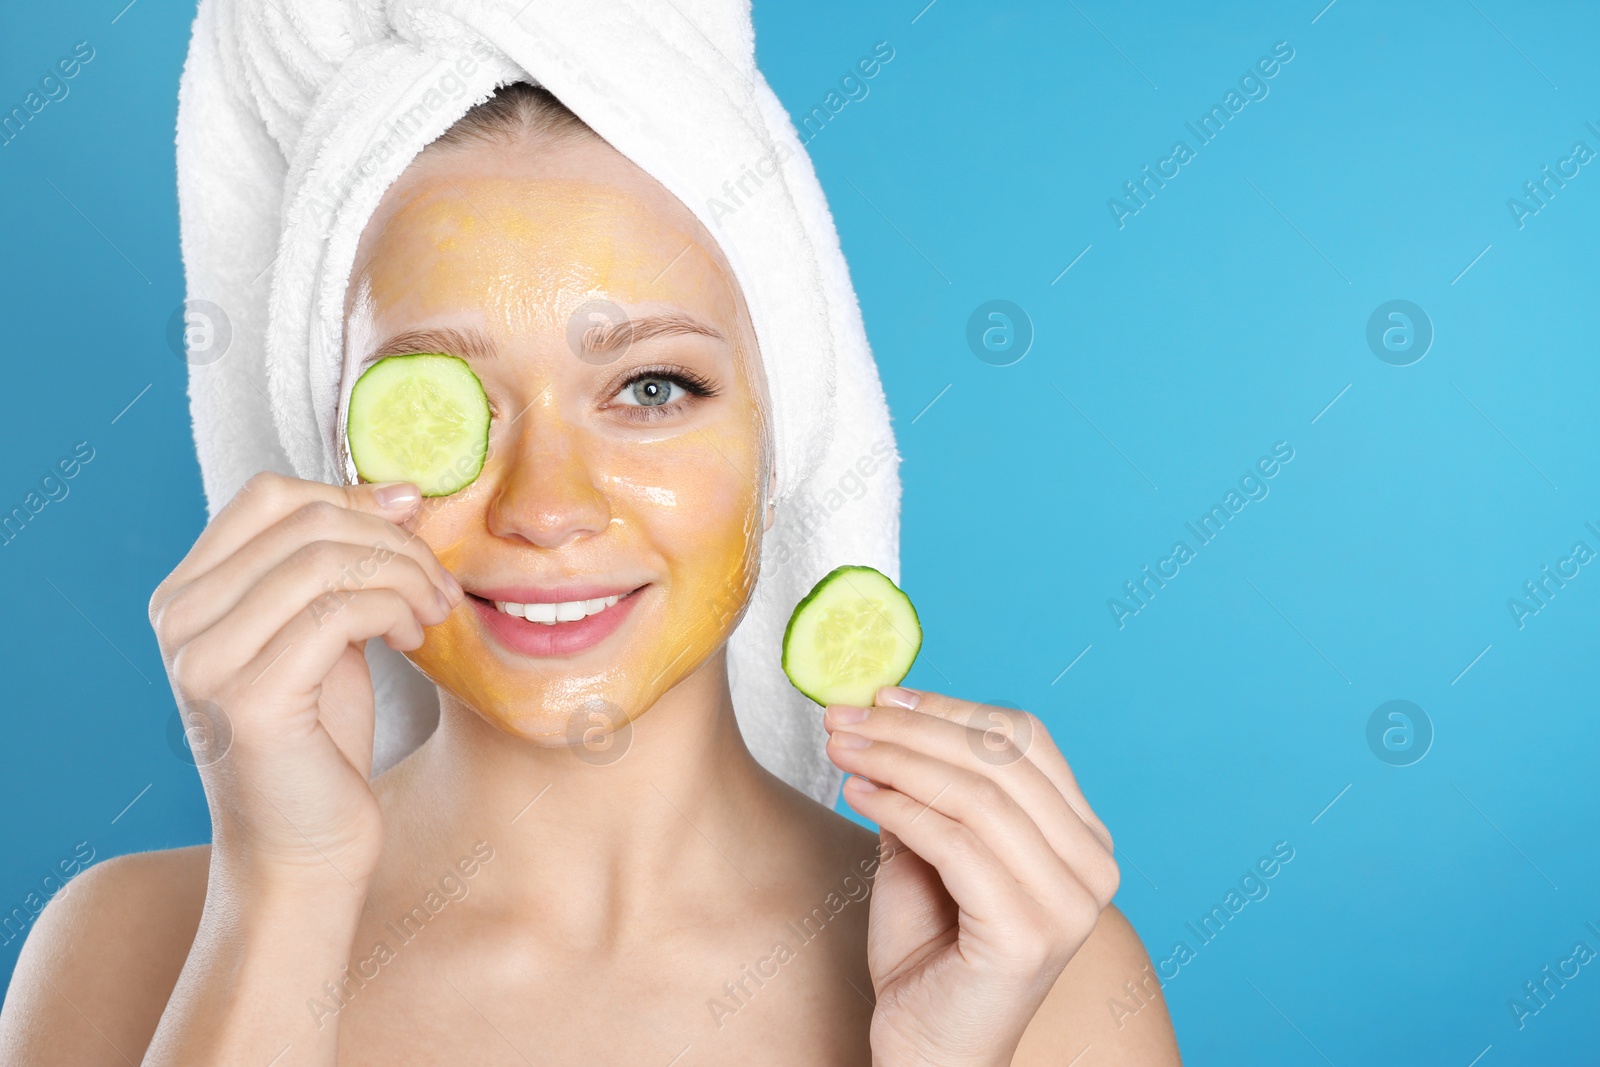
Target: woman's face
{"type": "Point", "coordinates": [634, 471]}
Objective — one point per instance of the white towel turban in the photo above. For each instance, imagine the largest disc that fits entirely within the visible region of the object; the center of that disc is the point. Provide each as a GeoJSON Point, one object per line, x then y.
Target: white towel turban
{"type": "Point", "coordinates": [294, 117]}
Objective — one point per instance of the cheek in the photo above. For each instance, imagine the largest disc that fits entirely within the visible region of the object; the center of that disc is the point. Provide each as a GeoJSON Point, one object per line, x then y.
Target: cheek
{"type": "Point", "coordinates": [695, 503]}
{"type": "Point", "coordinates": [695, 499]}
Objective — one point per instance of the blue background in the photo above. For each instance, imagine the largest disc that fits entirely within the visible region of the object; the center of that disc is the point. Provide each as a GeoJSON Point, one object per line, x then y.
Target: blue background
{"type": "Point", "coordinates": [1223, 317]}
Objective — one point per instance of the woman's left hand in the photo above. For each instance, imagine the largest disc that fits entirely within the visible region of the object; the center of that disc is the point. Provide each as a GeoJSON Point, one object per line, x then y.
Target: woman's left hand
{"type": "Point", "coordinates": [1007, 872]}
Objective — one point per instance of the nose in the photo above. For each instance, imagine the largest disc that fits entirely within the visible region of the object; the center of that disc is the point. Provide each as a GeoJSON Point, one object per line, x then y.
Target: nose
{"type": "Point", "coordinates": [547, 495]}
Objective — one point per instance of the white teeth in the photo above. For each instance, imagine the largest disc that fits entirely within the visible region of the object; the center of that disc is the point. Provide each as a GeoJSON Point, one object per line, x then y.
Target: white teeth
{"type": "Point", "coordinates": [550, 614]}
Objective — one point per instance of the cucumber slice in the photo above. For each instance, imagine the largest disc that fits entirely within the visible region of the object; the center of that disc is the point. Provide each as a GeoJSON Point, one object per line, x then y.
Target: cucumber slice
{"type": "Point", "coordinates": [853, 633]}
{"type": "Point", "coordinates": [419, 418]}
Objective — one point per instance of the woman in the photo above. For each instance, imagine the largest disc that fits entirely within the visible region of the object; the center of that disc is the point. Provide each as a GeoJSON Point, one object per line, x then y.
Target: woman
{"type": "Point", "coordinates": [514, 892]}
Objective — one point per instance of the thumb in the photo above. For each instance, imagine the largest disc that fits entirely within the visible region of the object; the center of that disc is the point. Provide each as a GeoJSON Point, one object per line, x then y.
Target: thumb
{"type": "Point", "coordinates": [889, 845]}
{"type": "Point", "coordinates": [347, 709]}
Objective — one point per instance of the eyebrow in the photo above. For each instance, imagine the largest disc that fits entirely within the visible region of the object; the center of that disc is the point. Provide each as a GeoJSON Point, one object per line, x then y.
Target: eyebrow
{"type": "Point", "coordinates": [474, 344]}
{"type": "Point", "coordinates": [468, 344]}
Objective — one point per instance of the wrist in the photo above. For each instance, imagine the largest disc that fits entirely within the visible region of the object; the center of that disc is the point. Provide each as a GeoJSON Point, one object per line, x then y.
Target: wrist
{"type": "Point", "coordinates": [251, 875]}
{"type": "Point", "coordinates": [272, 855]}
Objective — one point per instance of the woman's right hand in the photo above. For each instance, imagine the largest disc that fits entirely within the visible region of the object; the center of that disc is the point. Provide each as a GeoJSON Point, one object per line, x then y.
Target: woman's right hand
{"type": "Point", "coordinates": [262, 628]}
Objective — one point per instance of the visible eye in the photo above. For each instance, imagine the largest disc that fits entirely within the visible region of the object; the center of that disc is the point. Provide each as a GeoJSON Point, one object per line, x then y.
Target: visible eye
{"type": "Point", "coordinates": [658, 391]}
{"type": "Point", "coordinates": [651, 392]}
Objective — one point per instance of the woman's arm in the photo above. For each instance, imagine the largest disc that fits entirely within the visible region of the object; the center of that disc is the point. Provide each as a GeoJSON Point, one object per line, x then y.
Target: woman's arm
{"type": "Point", "coordinates": [260, 956]}
{"type": "Point", "coordinates": [262, 629]}
{"type": "Point", "coordinates": [142, 934]}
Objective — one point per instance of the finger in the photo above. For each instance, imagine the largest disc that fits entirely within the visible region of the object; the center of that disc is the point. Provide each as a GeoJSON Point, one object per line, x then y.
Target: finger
{"type": "Point", "coordinates": [296, 587]}
{"type": "Point", "coordinates": [268, 497]}
{"type": "Point", "coordinates": [209, 596]}
{"type": "Point", "coordinates": [1068, 833]}
{"type": "Point", "coordinates": [300, 656]}
{"type": "Point", "coordinates": [1023, 730]}
{"type": "Point", "coordinates": [977, 802]}
{"type": "Point", "coordinates": [971, 874]}
{"type": "Point", "coordinates": [345, 707]}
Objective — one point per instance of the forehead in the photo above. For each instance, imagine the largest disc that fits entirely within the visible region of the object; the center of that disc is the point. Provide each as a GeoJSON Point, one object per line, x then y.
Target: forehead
{"type": "Point", "coordinates": [522, 233]}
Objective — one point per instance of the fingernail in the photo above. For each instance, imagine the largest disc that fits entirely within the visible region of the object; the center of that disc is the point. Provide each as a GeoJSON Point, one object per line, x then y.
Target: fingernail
{"type": "Point", "coordinates": [846, 714]}
{"type": "Point", "coordinates": [397, 496]}
{"type": "Point", "coordinates": [895, 697]}
{"type": "Point", "coordinates": [845, 739]}
{"type": "Point", "coordinates": [444, 602]}
{"type": "Point", "coordinates": [456, 592]}
{"type": "Point", "coordinates": [861, 784]}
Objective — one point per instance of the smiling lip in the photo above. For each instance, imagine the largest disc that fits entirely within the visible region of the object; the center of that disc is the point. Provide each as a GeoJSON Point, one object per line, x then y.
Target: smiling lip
{"type": "Point", "coordinates": [552, 639]}
{"type": "Point", "coordinates": [555, 594]}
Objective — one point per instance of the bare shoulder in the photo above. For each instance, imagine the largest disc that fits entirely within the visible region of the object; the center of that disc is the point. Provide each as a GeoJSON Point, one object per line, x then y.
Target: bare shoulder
{"type": "Point", "coordinates": [1108, 997]}
{"type": "Point", "coordinates": [102, 960]}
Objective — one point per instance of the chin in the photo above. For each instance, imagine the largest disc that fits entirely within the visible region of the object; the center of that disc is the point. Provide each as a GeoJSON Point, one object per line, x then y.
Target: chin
{"type": "Point", "coordinates": [581, 717]}
{"type": "Point", "coordinates": [586, 703]}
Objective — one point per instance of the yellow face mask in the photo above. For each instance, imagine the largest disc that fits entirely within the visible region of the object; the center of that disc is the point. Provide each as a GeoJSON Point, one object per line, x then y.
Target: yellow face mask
{"type": "Point", "coordinates": [611, 541]}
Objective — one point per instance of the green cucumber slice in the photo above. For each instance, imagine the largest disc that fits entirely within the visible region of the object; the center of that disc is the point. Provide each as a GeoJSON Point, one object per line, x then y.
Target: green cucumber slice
{"type": "Point", "coordinates": [854, 633]}
{"type": "Point", "coordinates": [420, 418]}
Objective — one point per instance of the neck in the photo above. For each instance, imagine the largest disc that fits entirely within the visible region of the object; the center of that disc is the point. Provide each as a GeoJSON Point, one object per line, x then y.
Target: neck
{"type": "Point", "coordinates": [589, 836]}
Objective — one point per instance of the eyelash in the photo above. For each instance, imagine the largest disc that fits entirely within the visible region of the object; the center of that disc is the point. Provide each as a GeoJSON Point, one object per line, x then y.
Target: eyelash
{"type": "Point", "coordinates": [694, 384]}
